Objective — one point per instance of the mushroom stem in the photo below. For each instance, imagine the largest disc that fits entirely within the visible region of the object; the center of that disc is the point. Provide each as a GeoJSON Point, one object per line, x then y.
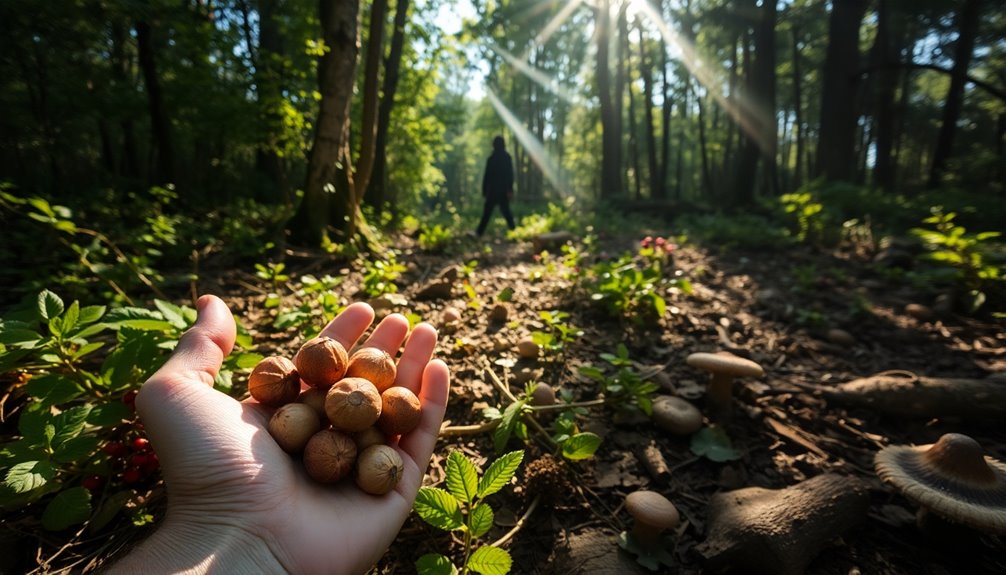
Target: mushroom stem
{"type": "Point", "coordinates": [647, 536]}
{"type": "Point", "coordinates": [720, 395]}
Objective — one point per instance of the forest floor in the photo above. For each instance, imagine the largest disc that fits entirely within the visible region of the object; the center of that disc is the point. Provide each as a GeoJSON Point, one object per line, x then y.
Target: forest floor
{"type": "Point", "coordinates": [773, 307]}
{"type": "Point", "coordinates": [752, 305]}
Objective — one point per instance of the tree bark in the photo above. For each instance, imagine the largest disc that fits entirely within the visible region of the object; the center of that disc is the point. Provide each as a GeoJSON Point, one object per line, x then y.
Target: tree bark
{"type": "Point", "coordinates": [798, 108]}
{"type": "Point", "coordinates": [967, 24]}
{"type": "Point", "coordinates": [836, 143]}
{"type": "Point", "coordinates": [371, 77]}
{"type": "Point", "coordinates": [159, 123]}
{"type": "Point", "coordinates": [323, 198]}
{"type": "Point", "coordinates": [759, 139]}
{"type": "Point", "coordinates": [890, 33]}
{"type": "Point", "coordinates": [269, 89]}
{"type": "Point", "coordinates": [376, 190]}
{"type": "Point", "coordinates": [657, 190]}
{"type": "Point", "coordinates": [610, 138]}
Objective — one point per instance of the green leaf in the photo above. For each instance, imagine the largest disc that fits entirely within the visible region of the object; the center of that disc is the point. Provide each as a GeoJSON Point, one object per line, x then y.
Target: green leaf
{"type": "Point", "coordinates": [500, 473]}
{"type": "Point", "coordinates": [49, 305]}
{"type": "Point", "coordinates": [247, 360]}
{"type": "Point", "coordinates": [109, 414]}
{"type": "Point", "coordinates": [581, 446]}
{"type": "Point", "coordinates": [109, 508]}
{"type": "Point", "coordinates": [87, 349]}
{"type": "Point", "coordinates": [21, 337]}
{"type": "Point", "coordinates": [714, 444]}
{"type": "Point", "coordinates": [52, 389]}
{"type": "Point", "coordinates": [480, 521]}
{"type": "Point", "coordinates": [462, 477]}
{"type": "Point", "coordinates": [502, 433]}
{"type": "Point", "coordinates": [435, 564]}
{"type": "Point", "coordinates": [71, 507]}
{"type": "Point", "coordinates": [76, 449]}
{"type": "Point", "coordinates": [69, 423]}
{"type": "Point", "coordinates": [28, 476]}
{"type": "Point", "coordinates": [659, 305]}
{"type": "Point", "coordinates": [505, 295]}
{"type": "Point", "coordinates": [71, 317]}
{"type": "Point", "coordinates": [172, 313]}
{"type": "Point", "coordinates": [490, 561]}
{"type": "Point", "coordinates": [32, 423]}
{"type": "Point", "coordinates": [438, 508]}
{"type": "Point", "coordinates": [91, 314]}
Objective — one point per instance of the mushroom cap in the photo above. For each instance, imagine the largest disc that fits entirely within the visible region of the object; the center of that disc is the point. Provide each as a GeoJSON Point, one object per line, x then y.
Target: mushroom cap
{"type": "Point", "coordinates": [725, 363]}
{"type": "Point", "coordinates": [676, 415]}
{"type": "Point", "coordinates": [651, 508]}
{"type": "Point", "coordinates": [952, 478]}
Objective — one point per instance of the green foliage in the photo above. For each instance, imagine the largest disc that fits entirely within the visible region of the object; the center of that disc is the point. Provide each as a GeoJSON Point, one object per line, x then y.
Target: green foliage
{"type": "Point", "coordinates": [557, 334]}
{"type": "Point", "coordinates": [625, 386]}
{"type": "Point", "coordinates": [967, 255]}
{"type": "Point", "coordinates": [808, 216]}
{"type": "Point", "coordinates": [714, 444]}
{"type": "Point", "coordinates": [461, 507]}
{"type": "Point", "coordinates": [379, 274]}
{"type": "Point", "coordinates": [434, 238]}
{"type": "Point", "coordinates": [557, 217]}
{"type": "Point", "coordinates": [79, 363]}
{"type": "Point", "coordinates": [634, 286]}
{"type": "Point", "coordinates": [318, 304]}
{"type": "Point", "coordinates": [737, 231]}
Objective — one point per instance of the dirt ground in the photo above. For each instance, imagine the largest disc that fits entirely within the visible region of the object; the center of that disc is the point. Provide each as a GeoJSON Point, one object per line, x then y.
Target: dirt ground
{"type": "Point", "coordinates": [751, 305]}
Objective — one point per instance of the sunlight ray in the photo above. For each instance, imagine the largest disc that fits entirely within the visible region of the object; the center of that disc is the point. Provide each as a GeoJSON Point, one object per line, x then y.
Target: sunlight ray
{"type": "Point", "coordinates": [744, 112]}
{"type": "Point", "coordinates": [558, 20]}
{"type": "Point", "coordinates": [549, 83]}
{"type": "Point", "coordinates": [535, 150]}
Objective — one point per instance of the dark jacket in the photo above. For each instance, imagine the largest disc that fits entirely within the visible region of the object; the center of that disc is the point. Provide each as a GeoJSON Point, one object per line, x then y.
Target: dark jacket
{"type": "Point", "coordinates": [498, 179]}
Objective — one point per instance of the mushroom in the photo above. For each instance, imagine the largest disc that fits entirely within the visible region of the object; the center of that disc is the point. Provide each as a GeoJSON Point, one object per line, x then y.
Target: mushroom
{"type": "Point", "coordinates": [652, 513]}
{"type": "Point", "coordinates": [724, 368]}
{"type": "Point", "coordinates": [951, 478]}
{"type": "Point", "coordinates": [675, 415]}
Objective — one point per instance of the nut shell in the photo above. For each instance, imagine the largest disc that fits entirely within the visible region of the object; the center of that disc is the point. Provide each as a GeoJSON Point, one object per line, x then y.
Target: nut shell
{"type": "Point", "coordinates": [543, 394]}
{"type": "Point", "coordinates": [329, 456]}
{"type": "Point", "coordinates": [314, 397]}
{"type": "Point", "coordinates": [370, 436]}
{"type": "Point", "coordinates": [321, 362]}
{"type": "Point", "coordinates": [353, 404]}
{"type": "Point", "coordinates": [379, 469]}
{"type": "Point", "coordinates": [400, 411]}
{"type": "Point", "coordinates": [374, 365]}
{"type": "Point", "coordinates": [293, 425]}
{"type": "Point", "coordinates": [274, 381]}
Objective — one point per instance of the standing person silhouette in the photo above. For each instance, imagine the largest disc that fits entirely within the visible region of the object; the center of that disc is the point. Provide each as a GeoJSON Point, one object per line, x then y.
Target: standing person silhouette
{"type": "Point", "coordinates": [497, 185]}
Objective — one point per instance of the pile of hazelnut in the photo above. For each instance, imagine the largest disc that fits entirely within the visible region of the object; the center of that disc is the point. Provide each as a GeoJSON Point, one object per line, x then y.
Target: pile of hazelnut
{"type": "Point", "coordinates": [342, 421]}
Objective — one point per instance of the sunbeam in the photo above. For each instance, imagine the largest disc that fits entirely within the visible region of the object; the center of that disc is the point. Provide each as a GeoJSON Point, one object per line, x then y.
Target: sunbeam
{"type": "Point", "coordinates": [531, 145]}
{"type": "Point", "coordinates": [544, 80]}
{"type": "Point", "coordinates": [553, 25]}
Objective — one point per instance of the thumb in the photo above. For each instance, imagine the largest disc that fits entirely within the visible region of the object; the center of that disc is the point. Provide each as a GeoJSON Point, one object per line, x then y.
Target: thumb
{"type": "Point", "coordinates": [190, 370]}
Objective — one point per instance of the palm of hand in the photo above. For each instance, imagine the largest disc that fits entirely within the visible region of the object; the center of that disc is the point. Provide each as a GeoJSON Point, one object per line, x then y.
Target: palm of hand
{"type": "Point", "coordinates": [222, 466]}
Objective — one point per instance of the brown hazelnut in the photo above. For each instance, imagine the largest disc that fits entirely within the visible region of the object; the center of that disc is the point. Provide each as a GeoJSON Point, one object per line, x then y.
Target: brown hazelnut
{"type": "Point", "coordinates": [527, 349]}
{"type": "Point", "coordinates": [314, 397]}
{"type": "Point", "coordinates": [374, 365]}
{"type": "Point", "coordinates": [370, 436]}
{"type": "Point", "coordinates": [321, 362]}
{"type": "Point", "coordinates": [293, 425]}
{"type": "Point", "coordinates": [378, 469]}
{"type": "Point", "coordinates": [353, 404]}
{"type": "Point", "coordinates": [329, 456]}
{"type": "Point", "coordinates": [274, 381]}
{"type": "Point", "coordinates": [400, 411]}
{"type": "Point", "coordinates": [543, 394]}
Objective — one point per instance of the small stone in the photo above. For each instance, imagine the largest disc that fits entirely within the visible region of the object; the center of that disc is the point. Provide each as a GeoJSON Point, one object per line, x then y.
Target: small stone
{"type": "Point", "coordinates": [919, 311]}
{"type": "Point", "coordinates": [841, 337]}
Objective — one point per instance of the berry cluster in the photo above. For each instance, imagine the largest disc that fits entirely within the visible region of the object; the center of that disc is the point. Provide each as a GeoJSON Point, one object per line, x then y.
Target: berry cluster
{"type": "Point", "coordinates": [131, 460]}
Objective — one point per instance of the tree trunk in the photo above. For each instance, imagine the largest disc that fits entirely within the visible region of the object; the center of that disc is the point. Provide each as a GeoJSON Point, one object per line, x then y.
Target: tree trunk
{"type": "Point", "coordinates": [368, 129]}
{"type": "Point", "coordinates": [323, 199]}
{"type": "Point", "coordinates": [376, 190]}
{"type": "Point", "coordinates": [159, 123]}
{"type": "Point", "coordinates": [269, 89]}
{"type": "Point", "coordinates": [836, 144]}
{"type": "Point", "coordinates": [798, 109]}
{"type": "Point", "coordinates": [619, 98]}
{"type": "Point", "coordinates": [610, 138]}
{"type": "Point", "coordinates": [890, 35]}
{"type": "Point", "coordinates": [657, 190]}
{"type": "Point", "coordinates": [759, 139]}
{"type": "Point", "coordinates": [633, 128]}
{"type": "Point", "coordinates": [967, 26]}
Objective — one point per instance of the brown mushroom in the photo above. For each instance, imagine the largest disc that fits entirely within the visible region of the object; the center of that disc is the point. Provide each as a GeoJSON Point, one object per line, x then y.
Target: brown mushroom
{"type": "Point", "coordinates": [724, 368]}
{"type": "Point", "coordinates": [951, 478]}
{"type": "Point", "coordinates": [675, 415]}
{"type": "Point", "coordinates": [652, 514]}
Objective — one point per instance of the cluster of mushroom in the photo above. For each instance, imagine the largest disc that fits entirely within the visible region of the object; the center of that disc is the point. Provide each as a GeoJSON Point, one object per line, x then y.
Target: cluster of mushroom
{"type": "Point", "coordinates": [342, 421]}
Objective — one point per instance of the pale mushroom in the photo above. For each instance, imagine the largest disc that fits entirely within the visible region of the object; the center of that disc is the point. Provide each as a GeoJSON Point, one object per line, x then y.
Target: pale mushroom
{"type": "Point", "coordinates": [724, 368]}
{"type": "Point", "coordinates": [675, 415]}
{"type": "Point", "coordinates": [951, 478]}
{"type": "Point", "coordinates": [652, 514]}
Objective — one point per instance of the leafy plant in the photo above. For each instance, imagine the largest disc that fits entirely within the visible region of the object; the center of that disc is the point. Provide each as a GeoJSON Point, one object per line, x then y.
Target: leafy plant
{"type": "Point", "coordinates": [808, 214]}
{"type": "Point", "coordinates": [379, 275]}
{"type": "Point", "coordinates": [461, 508]}
{"type": "Point", "coordinates": [319, 304]}
{"type": "Point", "coordinates": [714, 444]}
{"type": "Point", "coordinates": [272, 272]}
{"type": "Point", "coordinates": [633, 286]}
{"type": "Point", "coordinates": [626, 386]}
{"type": "Point", "coordinates": [557, 333]}
{"type": "Point", "coordinates": [434, 238]}
{"type": "Point", "coordinates": [68, 453]}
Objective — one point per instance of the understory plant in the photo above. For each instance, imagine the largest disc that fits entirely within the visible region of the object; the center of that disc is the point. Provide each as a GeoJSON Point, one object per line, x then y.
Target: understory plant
{"type": "Point", "coordinates": [78, 455]}
{"type": "Point", "coordinates": [634, 285]}
{"type": "Point", "coordinates": [461, 507]}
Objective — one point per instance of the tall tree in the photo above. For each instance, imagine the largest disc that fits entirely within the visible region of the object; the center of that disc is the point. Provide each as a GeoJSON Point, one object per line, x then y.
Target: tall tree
{"type": "Point", "coordinates": [159, 123]}
{"type": "Point", "coordinates": [836, 143]}
{"type": "Point", "coordinates": [323, 195]}
{"type": "Point", "coordinates": [967, 30]}
{"type": "Point", "coordinates": [371, 97]}
{"type": "Point", "coordinates": [656, 184]}
{"type": "Point", "coordinates": [611, 145]}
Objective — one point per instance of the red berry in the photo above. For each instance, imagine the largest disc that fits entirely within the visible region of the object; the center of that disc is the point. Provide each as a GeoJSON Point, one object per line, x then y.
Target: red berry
{"type": "Point", "coordinates": [114, 449]}
{"type": "Point", "coordinates": [151, 465]}
{"type": "Point", "coordinates": [129, 398]}
{"type": "Point", "coordinates": [93, 483]}
{"type": "Point", "coordinates": [131, 475]}
{"type": "Point", "coordinates": [141, 444]}
{"type": "Point", "coordinates": [138, 459]}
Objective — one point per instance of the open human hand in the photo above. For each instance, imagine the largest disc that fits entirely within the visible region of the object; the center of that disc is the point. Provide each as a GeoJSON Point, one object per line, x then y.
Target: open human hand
{"type": "Point", "coordinates": [237, 503]}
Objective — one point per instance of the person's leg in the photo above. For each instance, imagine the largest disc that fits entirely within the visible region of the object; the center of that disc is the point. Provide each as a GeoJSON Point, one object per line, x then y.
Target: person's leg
{"type": "Point", "coordinates": [487, 212]}
{"type": "Point", "coordinates": [505, 208]}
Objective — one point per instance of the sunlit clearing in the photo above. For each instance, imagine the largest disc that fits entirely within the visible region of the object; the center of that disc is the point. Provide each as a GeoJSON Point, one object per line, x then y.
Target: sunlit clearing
{"type": "Point", "coordinates": [546, 81]}
{"type": "Point", "coordinates": [745, 113]}
{"type": "Point", "coordinates": [531, 145]}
